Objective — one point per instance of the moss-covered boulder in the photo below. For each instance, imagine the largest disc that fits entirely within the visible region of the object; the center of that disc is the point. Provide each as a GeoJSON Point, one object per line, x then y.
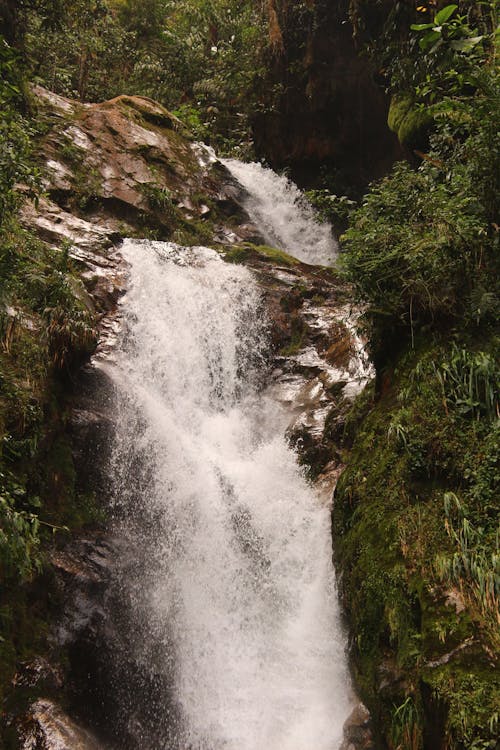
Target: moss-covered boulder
{"type": "Point", "coordinates": [125, 167]}
{"type": "Point", "coordinates": [411, 123]}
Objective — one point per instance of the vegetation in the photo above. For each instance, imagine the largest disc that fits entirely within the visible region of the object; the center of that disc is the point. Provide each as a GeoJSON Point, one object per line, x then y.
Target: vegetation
{"type": "Point", "coordinates": [46, 329]}
{"type": "Point", "coordinates": [201, 58]}
{"type": "Point", "coordinates": [416, 512]}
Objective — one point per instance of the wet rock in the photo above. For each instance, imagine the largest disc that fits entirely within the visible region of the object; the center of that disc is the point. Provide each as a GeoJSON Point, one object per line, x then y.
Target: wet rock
{"type": "Point", "coordinates": [118, 162]}
{"type": "Point", "coordinates": [84, 569]}
{"type": "Point", "coordinates": [319, 357]}
{"type": "Point", "coordinates": [39, 673]}
{"type": "Point", "coordinates": [357, 730]}
{"type": "Point", "coordinates": [47, 727]}
{"type": "Point", "coordinates": [55, 225]}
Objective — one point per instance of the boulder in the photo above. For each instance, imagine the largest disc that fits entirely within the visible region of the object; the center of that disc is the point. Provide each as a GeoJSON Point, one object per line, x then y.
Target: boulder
{"type": "Point", "coordinates": [47, 727]}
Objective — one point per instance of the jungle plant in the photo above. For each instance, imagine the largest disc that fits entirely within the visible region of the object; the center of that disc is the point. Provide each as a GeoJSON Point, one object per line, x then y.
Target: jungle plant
{"type": "Point", "coordinates": [15, 145]}
{"type": "Point", "coordinates": [448, 28]}
{"type": "Point", "coordinates": [158, 198]}
{"type": "Point", "coordinates": [70, 334]}
{"type": "Point", "coordinates": [474, 566]}
{"type": "Point", "coordinates": [19, 535]}
{"type": "Point", "coordinates": [406, 726]}
{"type": "Point", "coordinates": [331, 207]}
{"type": "Point", "coordinates": [471, 382]}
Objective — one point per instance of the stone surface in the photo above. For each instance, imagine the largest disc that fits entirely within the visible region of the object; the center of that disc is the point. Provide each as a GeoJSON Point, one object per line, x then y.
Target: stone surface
{"type": "Point", "coordinates": [357, 730]}
{"type": "Point", "coordinates": [315, 381]}
{"type": "Point", "coordinates": [332, 113]}
{"type": "Point", "coordinates": [121, 165]}
{"type": "Point", "coordinates": [48, 727]}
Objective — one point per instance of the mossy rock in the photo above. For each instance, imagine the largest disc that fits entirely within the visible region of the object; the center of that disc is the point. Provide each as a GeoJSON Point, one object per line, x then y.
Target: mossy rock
{"type": "Point", "coordinates": [248, 251]}
{"type": "Point", "coordinates": [411, 123]}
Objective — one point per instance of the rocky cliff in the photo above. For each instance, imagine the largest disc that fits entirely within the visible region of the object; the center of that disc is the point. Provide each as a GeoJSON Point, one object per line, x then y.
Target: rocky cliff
{"type": "Point", "coordinates": [325, 113]}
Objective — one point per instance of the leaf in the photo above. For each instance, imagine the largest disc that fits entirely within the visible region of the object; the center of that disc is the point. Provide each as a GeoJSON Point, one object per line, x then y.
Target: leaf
{"type": "Point", "coordinates": [429, 39]}
{"type": "Point", "coordinates": [421, 26]}
{"type": "Point", "coordinates": [464, 45]}
{"type": "Point", "coordinates": [445, 13]}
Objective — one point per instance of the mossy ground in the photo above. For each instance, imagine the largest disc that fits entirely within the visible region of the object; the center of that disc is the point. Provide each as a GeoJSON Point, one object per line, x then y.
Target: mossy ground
{"type": "Point", "coordinates": [425, 632]}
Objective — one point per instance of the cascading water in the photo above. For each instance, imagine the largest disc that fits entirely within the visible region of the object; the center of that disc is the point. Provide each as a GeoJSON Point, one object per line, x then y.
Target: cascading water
{"type": "Point", "coordinates": [226, 572]}
{"type": "Point", "coordinates": [282, 214]}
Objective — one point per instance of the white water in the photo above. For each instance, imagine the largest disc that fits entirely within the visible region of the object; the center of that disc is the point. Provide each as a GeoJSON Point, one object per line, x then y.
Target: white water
{"type": "Point", "coordinates": [282, 214]}
{"type": "Point", "coordinates": [230, 584]}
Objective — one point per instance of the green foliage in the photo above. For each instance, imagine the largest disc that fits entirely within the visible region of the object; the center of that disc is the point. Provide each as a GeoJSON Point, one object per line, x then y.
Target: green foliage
{"type": "Point", "coordinates": [415, 250]}
{"type": "Point", "coordinates": [422, 250]}
{"type": "Point", "coordinates": [406, 726]}
{"type": "Point", "coordinates": [15, 144]}
{"type": "Point", "coordinates": [471, 383]}
{"type": "Point", "coordinates": [331, 207]}
{"type": "Point", "coordinates": [474, 566]}
{"type": "Point", "coordinates": [82, 52]}
{"type": "Point", "coordinates": [449, 29]}
{"type": "Point", "coordinates": [474, 705]}
{"type": "Point", "coordinates": [406, 554]}
{"type": "Point", "coordinates": [423, 50]}
{"type": "Point", "coordinates": [69, 334]}
{"type": "Point", "coordinates": [158, 198]}
{"type": "Point", "coordinates": [46, 329]}
{"type": "Point", "coordinates": [199, 57]}
{"type": "Point", "coordinates": [19, 538]}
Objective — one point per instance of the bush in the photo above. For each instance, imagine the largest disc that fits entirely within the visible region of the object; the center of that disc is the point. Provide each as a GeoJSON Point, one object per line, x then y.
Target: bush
{"type": "Point", "coordinates": [15, 135]}
{"type": "Point", "coordinates": [423, 247]}
{"type": "Point", "coordinates": [413, 251]}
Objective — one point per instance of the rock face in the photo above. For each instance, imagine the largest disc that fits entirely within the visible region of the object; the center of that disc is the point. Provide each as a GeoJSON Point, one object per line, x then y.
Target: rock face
{"type": "Point", "coordinates": [47, 727]}
{"type": "Point", "coordinates": [329, 115]}
{"type": "Point", "coordinates": [357, 730]}
{"type": "Point", "coordinates": [124, 168]}
{"type": "Point", "coordinates": [320, 362]}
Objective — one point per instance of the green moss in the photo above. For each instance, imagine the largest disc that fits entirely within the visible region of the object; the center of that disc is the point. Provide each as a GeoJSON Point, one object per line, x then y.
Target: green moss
{"type": "Point", "coordinates": [298, 330]}
{"type": "Point", "coordinates": [247, 252]}
{"type": "Point", "coordinates": [410, 123]}
{"type": "Point", "coordinates": [412, 445]}
{"type": "Point", "coordinates": [399, 107]}
{"type": "Point", "coordinates": [71, 153]}
{"type": "Point", "coordinates": [153, 114]}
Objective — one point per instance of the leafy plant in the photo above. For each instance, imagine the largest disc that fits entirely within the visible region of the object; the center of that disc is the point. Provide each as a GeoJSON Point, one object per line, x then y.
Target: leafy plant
{"type": "Point", "coordinates": [331, 207]}
{"type": "Point", "coordinates": [471, 382]}
{"type": "Point", "coordinates": [474, 567]}
{"type": "Point", "coordinates": [16, 165]}
{"type": "Point", "coordinates": [19, 534]}
{"type": "Point", "coordinates": [69, 334]}
{"type": "Point", "coordinates": [158, 198]}
{"type": "Point", "coordinates": [448, 27]}
{"type": "Point", "coordinates": [406, 726]}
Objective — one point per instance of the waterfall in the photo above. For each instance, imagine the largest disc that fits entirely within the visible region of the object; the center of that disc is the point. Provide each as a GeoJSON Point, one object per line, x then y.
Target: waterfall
{"type": "Point", "coordinates": [226, 578]}
{"type": "Point", "coordinates": [282, 214]}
